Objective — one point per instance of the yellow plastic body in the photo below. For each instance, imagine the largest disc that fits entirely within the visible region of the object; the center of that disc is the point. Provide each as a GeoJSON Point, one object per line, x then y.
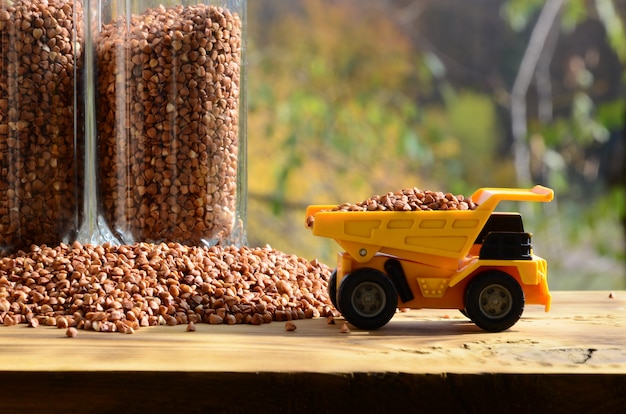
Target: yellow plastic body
{"type": "Point", "coordinates": [434, 247]}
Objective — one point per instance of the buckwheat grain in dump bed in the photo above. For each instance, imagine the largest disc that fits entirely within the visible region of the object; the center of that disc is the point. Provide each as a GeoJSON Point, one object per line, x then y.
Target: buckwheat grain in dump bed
{"type": "Point", "coordinates": [408, 199]}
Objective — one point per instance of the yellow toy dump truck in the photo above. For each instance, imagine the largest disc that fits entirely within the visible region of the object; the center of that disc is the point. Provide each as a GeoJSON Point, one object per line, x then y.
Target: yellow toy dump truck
{"type": "Point", "coordinates": [478, 261]}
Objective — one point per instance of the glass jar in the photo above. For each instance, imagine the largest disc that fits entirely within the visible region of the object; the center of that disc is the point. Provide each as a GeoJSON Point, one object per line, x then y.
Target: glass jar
{"type": "Point", "coordinates": [170, 111]}
{"type": "Point", "coordinates": [41, 55]}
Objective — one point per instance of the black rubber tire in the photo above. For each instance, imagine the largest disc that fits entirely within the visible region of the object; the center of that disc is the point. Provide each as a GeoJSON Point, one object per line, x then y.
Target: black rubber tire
{"type": "Point", "coordinates": [332, 289]}
{"type": "Point", "coordinates": [367, 299]}
{"type": "Point", "coordinates": [494, 301]}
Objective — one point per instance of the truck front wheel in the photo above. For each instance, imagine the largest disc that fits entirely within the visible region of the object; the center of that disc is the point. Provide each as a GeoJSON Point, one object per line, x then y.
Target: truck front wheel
{"type": "Point", "coordinates": [494, 301]}
{"type": "Point", "coordinates": [367, 299]}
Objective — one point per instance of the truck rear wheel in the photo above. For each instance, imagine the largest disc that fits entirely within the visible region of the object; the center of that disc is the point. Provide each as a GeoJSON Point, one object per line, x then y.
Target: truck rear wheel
{"type": "Point", "coordinates": [494, 301]}
{"type": "Point", "coordinates": [367, 299]}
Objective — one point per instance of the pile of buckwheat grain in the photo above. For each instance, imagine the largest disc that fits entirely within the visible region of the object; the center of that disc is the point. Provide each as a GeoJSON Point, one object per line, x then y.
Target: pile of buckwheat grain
{"type": "Point", "coordinates": [112, 288]}
{"type": "Point", "coordinates": [411, 199]}
{"type": "Point", "coordinates": [408, 199]}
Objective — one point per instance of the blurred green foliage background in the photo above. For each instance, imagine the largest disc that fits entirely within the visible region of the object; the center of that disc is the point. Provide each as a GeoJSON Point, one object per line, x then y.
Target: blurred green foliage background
{"type": "Point", "coordinates": [349, 98]}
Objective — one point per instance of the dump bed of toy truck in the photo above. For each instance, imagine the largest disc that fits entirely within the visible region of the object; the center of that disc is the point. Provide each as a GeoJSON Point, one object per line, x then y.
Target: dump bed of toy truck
{"type": "Point", "coordinates": [417, 235]}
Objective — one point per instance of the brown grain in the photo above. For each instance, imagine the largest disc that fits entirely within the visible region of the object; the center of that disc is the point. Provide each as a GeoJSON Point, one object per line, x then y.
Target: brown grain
{"type": "Point", "coordinates": [408, 199]}
{"type": "Point", "coordinates": [169, 163]}
{"type": "Point", "coordinates": [109, 288]}
{"type": "Point", "coordinates": [411, 199]}
{"type": "Point", "coordinates": [39, 138]}
{"type": "Point", "coordinates": [62, 323]}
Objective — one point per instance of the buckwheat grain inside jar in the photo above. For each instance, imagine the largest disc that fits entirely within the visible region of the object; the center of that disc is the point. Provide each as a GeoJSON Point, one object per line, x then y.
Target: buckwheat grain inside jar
{"type": "Point", "coordinates": [171, 120]}
{"type": "Point", "coordinates": [41, 53]}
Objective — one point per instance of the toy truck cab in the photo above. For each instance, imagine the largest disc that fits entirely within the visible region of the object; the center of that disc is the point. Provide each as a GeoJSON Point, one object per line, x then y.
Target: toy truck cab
{"type": "Point", "coordinates": [478, 261]}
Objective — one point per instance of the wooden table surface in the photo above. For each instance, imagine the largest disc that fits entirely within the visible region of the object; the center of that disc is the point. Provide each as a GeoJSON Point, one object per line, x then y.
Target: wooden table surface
{"type": "Point", "coordinates": [572, 357]}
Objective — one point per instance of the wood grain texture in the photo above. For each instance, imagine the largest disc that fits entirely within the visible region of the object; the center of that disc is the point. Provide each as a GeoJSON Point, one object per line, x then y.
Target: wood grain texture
{"type": "Point", "coordinates": [569, 359]}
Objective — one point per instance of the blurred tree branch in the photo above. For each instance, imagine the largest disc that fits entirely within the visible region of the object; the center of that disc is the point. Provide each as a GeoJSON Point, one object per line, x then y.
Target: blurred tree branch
{"type": "Point", "coordinates": [528, 66]}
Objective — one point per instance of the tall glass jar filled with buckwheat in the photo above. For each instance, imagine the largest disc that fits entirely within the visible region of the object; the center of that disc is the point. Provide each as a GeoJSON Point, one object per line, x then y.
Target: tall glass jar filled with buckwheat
{"type": "Point", "coordinates": [41, 56]}
{"type": "Point", "coordinates": [171, 107]}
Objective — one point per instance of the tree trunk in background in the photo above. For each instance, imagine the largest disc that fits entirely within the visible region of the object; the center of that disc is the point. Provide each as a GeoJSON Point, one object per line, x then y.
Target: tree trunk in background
{"type": "Point", "coordinates": [528, 66]}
